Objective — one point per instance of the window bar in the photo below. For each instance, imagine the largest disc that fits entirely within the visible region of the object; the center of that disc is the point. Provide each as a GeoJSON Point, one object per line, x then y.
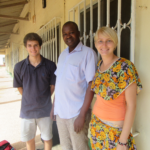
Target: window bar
{"type": "Point", "coordinates": [17, 55]}
{"type": "Point", "coordinates": [40, 32]}
{"type": "Point", "coordinates": [46, 33]}
{"type": "Point", "coordinates": [108, 13]}
{"type": "Point", "coordinates": [132, 46]}
{"type": "Point", "coordinates": [23, 53]}
{"type": "Point", "coordinates": [84, 35]}
{"type": "Point", "coordinates": [13, 55]}
{"type": "Point", "coordinates": [119, 28]}
{"type": "Point", "coordinates": [74, 14]}
{"type": "Point", "coordinates": [99, 14]}
{"type": "Point", "coordinates": [69, 16]}
{"type": "Point", "coordinates": [79, 16]}
{"type": "Point", "coordinates": [91, 24]}
{"type": "Point", "coordinates": [53, 40]}
{"type": "Point", "coordinates": [49, 41]}
{"type": "Point", "coordinates": [43, 41]}
{"type": "Point", "coordinates": [49, 51]}
{"type": "Point", "coordinates": [99, 19]}
{"type": "Point", "coordinates": [56, 40]}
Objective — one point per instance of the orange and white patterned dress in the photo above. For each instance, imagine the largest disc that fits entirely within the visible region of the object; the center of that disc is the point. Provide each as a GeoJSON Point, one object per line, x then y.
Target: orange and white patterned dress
{"type": "Point", "coordinates": [109, 85]}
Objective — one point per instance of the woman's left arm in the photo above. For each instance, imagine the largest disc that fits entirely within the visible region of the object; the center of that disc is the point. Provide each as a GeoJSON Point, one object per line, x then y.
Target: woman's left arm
{"type": "Point", "coordinates": [130, 96]}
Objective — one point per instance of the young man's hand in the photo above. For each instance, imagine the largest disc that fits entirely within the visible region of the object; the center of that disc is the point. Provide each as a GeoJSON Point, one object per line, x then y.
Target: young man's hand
{"type": "Point", "coordinates": [79, 123]}
{"type": "Point", "coordinates": [53, 117]}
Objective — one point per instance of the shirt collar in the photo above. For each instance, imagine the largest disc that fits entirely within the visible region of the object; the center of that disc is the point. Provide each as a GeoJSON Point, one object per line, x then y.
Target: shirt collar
{"type": "Point", "coordinates": [77, 48]}
{"type": "Point", "coordinates": [41, 63]}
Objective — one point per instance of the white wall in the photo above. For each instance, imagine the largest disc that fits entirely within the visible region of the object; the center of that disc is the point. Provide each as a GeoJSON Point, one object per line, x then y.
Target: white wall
{"type": "Point", "coordinates": [142, 62]}
{"type": "Point", "coordinates": [1, 59]}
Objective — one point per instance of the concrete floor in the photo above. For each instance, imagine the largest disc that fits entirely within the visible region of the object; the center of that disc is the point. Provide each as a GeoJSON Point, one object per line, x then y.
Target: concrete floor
{"type": "Point", "coordinates": [10, 103]}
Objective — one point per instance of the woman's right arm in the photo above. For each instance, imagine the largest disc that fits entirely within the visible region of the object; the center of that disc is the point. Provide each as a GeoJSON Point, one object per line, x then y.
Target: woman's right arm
{"type": "Point", "coordinates": [130, 96]}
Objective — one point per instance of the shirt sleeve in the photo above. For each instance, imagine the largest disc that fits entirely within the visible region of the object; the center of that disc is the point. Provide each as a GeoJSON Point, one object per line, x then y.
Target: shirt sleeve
{"type": "Point", "coordinates": [17, 82]}
{"type": "Point", "coordinates": [53, 76]}
{"type": "Point", "coordinates": [131, 75]}
{"type": "Point", "coordinates": [55, 72]}
{"type": "Point", "coordinates": [90, 66]}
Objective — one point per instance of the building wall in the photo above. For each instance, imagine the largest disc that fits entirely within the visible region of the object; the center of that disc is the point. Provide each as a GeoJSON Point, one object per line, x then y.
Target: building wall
{"type": "Point", "coordinates": [43, 16]}
{"type": "Point", "coordinates": [60, 8]}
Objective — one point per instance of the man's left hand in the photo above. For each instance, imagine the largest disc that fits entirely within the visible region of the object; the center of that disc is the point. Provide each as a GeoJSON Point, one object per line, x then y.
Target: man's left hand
{"type": "Point", "coordinates": [79, 123]}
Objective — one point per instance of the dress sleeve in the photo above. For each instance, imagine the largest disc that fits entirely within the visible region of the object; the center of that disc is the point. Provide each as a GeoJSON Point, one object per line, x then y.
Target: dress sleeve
{"type": "Point", "coordinates": [93, 86]}
{"type": "Point", "coordinates": [90, 66]}
{"type": "Point", "coordinates": [111, 83]}
{"type": "Point", "coordinates": [131, 75]}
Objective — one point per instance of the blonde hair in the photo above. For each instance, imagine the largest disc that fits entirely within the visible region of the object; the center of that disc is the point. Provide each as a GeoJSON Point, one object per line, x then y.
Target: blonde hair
{"type": "Point", "coordinates": [106, 31]}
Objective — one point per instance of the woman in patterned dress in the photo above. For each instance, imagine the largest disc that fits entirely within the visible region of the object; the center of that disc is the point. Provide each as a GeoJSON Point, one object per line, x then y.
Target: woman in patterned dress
{"type": "Point", "coordinates": [116, 84]}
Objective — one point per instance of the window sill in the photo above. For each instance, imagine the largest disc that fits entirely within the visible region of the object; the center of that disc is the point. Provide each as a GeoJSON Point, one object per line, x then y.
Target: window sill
{"type": "Point", "coordinates": [135, 134]}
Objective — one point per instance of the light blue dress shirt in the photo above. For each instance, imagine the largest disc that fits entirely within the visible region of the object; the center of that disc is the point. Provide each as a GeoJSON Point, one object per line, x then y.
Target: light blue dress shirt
{"type": "Point", "coordinates": [74, 71]}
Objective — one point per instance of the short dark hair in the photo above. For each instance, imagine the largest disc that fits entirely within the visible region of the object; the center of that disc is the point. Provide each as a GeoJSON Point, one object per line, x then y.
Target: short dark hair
{"type": "Point", "coordinates": [32, 37]}
{"type": "Point", "coordinates": [73, 23]}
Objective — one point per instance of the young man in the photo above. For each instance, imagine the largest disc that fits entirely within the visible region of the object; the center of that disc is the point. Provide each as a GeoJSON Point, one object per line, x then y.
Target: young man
{"type": "Point", "coordinates": [75, 71]}
{"type": "Point", "coordinates": [34, 77]}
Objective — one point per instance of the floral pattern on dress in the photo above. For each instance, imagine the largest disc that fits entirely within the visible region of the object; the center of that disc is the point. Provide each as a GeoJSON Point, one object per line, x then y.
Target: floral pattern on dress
{"type": "Point", "coordinates": [112, 82]}
{"type": "Point", "coordinates": [105, 137]}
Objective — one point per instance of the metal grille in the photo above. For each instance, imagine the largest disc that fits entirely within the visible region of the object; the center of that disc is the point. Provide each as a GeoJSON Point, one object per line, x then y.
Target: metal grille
{"type": "Point", "coordinates": [104, 9]}
{"type": "Point", "coordinates": [50, 34]}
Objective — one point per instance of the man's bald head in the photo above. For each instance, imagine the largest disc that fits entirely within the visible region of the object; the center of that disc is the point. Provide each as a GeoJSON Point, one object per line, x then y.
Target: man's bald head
{"type": "Point", "coordinates": [72, 24]}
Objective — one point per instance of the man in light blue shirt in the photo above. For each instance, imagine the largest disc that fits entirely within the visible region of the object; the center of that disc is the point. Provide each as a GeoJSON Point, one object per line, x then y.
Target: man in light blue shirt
{"type": "Point", "coordinates": [75, 71]}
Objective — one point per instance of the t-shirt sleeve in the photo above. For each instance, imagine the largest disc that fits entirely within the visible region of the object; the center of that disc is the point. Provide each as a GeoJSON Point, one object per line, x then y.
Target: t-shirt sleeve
{"type": "Point", "coordinates": [17, 82]}
{"type": "Point", "coordinates": [53, 76]}
{"type": "Point", "coordinates": [90, 66]}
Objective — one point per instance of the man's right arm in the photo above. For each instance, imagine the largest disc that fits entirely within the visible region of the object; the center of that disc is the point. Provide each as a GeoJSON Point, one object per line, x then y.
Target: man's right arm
{"type": "Point", "coordinates": [17, 81]}
{"type": "Point", "coordinates": [53, 117]}
{"type": "Point", "coordinates": [20, 89]}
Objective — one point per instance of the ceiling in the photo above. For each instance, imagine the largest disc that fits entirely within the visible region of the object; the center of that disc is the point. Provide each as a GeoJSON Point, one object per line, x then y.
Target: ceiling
{"type": "Point", "coordinates": [10, 11]}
